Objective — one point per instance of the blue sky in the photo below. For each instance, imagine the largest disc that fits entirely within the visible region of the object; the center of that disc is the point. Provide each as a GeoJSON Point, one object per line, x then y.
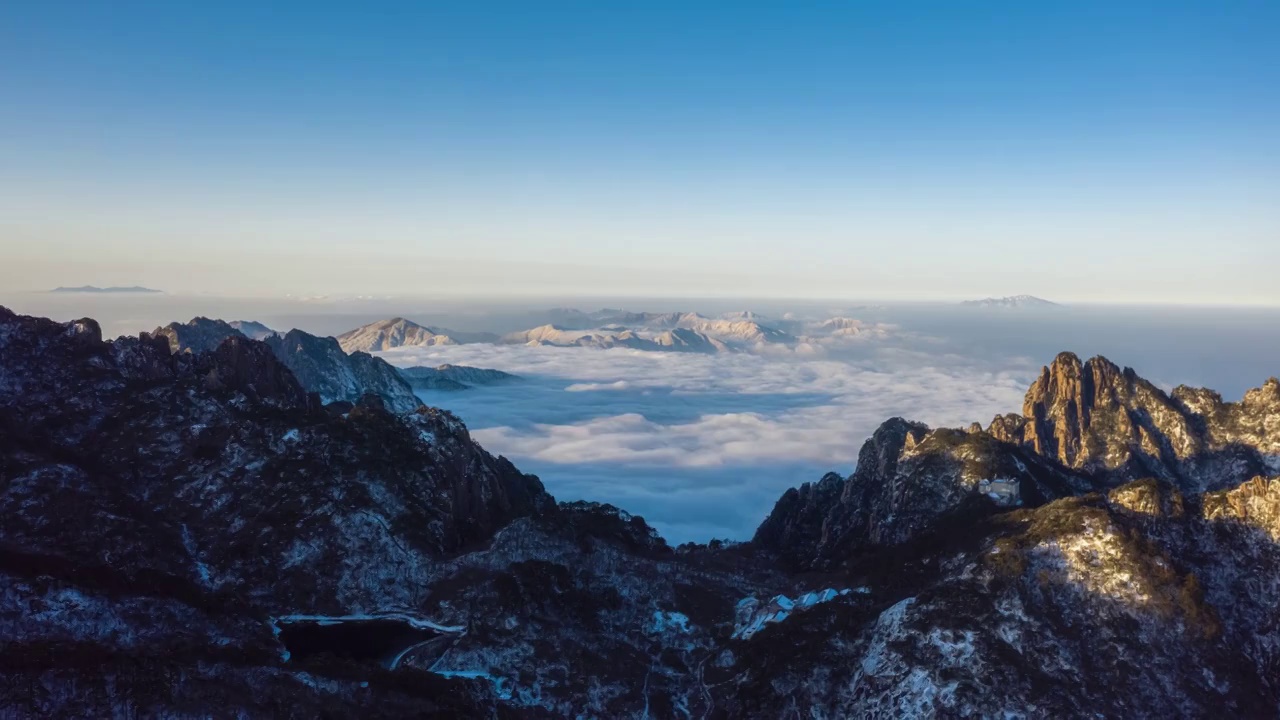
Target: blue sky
{"type": "Point", "coordinates": [1109, 151]}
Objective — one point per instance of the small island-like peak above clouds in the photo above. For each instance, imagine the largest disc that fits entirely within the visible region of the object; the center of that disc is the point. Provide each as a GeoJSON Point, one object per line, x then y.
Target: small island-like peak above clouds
{"type": "Point", "coordinates": [135, 289]}
{"type": "Point", "coordinates": [1011, 301]}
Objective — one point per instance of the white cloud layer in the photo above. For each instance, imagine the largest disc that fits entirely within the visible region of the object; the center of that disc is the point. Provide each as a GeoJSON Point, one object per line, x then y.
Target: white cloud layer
{"type": "Point", "coordinates": [703, 445]}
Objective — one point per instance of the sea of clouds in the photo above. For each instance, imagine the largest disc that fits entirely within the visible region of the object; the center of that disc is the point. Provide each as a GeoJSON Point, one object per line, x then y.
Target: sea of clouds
{"type": "Point", "coordinates": [703, 445]}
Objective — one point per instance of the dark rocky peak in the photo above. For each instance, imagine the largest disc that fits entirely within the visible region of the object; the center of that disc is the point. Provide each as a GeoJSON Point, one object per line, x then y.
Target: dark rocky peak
{"type": "Point", "coordinates": [590, 523]}
{"type": "Point", "coordinates": [908, 476]}
{"type": "Point", "coordinates": [318, 363]}
{"type": "Point", "coordinates": [86, 330]}
{"type": "Point", "coordinates": [299, 342]}
{"type": "Point", "coordinates": [796, 525]}
{"type": "Point", "coordinates": [201, 334]}
{"type": "Point", "coordinates": [249, 366]}
{"type": "Point", "coordinates": [38, 356]}
{"type": "Point", "coordinates": [908, 479]}
{"type": "Point", "coordinates": [879, 456]}
{"type": "Point", "coordinates": [324, 368]}
{"type": "Point", "coordinates": [147, 357]}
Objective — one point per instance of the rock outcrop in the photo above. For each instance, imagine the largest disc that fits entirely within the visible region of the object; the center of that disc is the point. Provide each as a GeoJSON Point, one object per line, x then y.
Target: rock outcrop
{"type": "Point", "coordinates": [201, 334]}
{"type": "Point", "coordinates": [908, 479]}
{"type": "Point", "coordinates": [322, 367]}
{"type": "Point", "coordinates": [1109, 422]}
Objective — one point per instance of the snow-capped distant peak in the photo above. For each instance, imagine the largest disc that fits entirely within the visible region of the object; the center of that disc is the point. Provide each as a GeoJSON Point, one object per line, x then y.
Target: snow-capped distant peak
{"type": "Point", "coordinates": [393, 333]}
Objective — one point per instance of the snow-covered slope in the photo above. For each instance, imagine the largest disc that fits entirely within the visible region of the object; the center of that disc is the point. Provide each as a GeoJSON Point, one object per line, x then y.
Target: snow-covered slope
{"type": "Point", "coordinates": [689, 341]}
{"type": "Point", "coordinates": [615, 336]}
{"type": "Point", "coordinates": [393, 333]}
{"type": "Point", "coordinates": [323, 367]}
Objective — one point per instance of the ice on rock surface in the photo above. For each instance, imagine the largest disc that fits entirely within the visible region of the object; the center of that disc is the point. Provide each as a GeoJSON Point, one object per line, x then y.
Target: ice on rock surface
{"type": "Point", "coordinates": [752, 615]}
{"type": "Point", "coordinates": [664, 621]}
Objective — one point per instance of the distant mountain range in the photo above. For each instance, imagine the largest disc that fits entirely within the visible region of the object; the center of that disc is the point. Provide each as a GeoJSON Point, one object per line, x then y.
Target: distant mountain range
{"type": "Point", "coordinates": [1012, 301]}
{"type": "Point", "coordinates": [674, 340]}
{"type": "Point", "coordinates": [743, 331]}
{"type": "Point", "coordinates": [452, 377]}
{"type": "Point", "coordinates": [679, 332]}
{"type": "Point", "coordinates": [107, 290]}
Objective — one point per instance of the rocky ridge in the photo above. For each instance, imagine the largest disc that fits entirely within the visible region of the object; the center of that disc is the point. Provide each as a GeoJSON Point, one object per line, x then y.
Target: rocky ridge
{"type": "Point", "coordinates": [1095, 417]}
{"type": "Point", "coordinates": [323, 367]}
{"type": "Point", "coordinates": [319, 363]}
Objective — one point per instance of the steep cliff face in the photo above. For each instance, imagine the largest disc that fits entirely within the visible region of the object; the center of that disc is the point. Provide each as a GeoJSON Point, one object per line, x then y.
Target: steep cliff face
{"type": "Point", "coordinates": [1108, 422]}
{"type": "Point", "coordinates": [798, 521]}
{"type": "Point", "coordinates": [908, 478]}
{"type": "Point", "coordinates": [321, 366]}
{"type": "Point", "coordinates": [318, 363]}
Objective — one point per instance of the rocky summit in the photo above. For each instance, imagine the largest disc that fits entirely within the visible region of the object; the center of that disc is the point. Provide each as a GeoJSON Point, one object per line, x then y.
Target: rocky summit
{"type": "Point", "coordinates": [319, 363]}
{"type": "Point", "coordinates": [201, 533]}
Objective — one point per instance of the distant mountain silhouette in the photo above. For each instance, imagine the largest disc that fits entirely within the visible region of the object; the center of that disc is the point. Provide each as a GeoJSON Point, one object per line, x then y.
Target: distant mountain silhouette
{"type": "Point", "coordinates": [93, 289]}
{"type": "Point", "coordinates": [1012, 301]}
